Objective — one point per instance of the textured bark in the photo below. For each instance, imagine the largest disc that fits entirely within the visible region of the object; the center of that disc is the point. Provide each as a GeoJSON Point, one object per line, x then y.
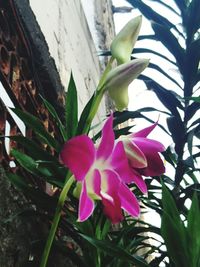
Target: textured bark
{"type": "Point", "coordinates": [15, 231]}
{"type": "Point", "coordinates": [21, 231]}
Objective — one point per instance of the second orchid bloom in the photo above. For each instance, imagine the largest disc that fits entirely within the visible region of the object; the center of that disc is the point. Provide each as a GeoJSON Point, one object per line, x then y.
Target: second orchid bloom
{"type": "Point", "coordinates": [106, 172]}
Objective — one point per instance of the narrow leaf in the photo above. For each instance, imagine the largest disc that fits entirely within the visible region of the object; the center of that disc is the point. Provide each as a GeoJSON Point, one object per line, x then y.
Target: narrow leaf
{"type": "Point", "coordinates": [36, 168]}
{"type": "Point", "coordinates": [177, 129]}
{"type": "Point", "coordinates": [164, 35]}
{"type": "Point", "coordinates": [116, 251]}
{"type": "Point", "coordinates": [192, 109]}
{"type": "Point", "coordinates": [156, 67]}
{"type": "Point", "coordinates": [194, 231]}
{"type": "Point", "coordinates": [34, 149]}
{"type": "Point", "coordinates": [167, 97]}
{"type": "Point", "coordinates": [71, 109]}
{"type": "Point", "coordinates": [150, 14]}
{"type": "Point", "coordinates": [84, 116]}
{"type": "Point", "coordinates": [54, 114]}
{"type": "Point", "coordinates": [35, 124]}
{"type": "Point", "coordinates": [173, 230]}
{"type": "Point", "coordinates": [147, 50]}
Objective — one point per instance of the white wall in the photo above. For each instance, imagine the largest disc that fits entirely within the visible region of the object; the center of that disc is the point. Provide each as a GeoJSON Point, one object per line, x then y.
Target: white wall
{"type": "Point", "coordinates": [66, 30]}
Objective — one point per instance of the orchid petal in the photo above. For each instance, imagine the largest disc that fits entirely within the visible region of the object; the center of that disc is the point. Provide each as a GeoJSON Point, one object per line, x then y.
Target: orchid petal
{"type": "Point", "coordinates": [128, 201]}
{"type": "Point", "coordinates": [107, 141]}
{"type": "Point", "coordinates": [150, 148]}
{"type": "Point", "coordinates": [148, 145]}
{"type": "Point", "coordinates": [119, 162]}
{"type": "Point", "coordinates": [109, 192]}
{"type": "Point", "coordinates": [110, 198]}
{"type": "Point", "coordinates": [96, 182]}
{"type": "Point", "coordinates": [110, 182]}
{"type": "Point", "coordinates": [78, 154]}
{"type": "Point", "coordinates": [155, 166]}
{"type": "Point", "coordinates": [139, 181]}
{"type": "Point", "coordinates": [93, 184]}
{"type": "Point", "coordinates": [86, 205]}
{"type": "Point", "coordinates": [135, 156]}
{"type": "Point", "coordinates": [146, 131]}
{"type": "Point", "coordinates": [112, 209]}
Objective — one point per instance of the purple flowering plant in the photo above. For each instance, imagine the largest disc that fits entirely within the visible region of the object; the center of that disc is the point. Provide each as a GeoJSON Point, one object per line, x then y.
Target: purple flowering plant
{"type": "Point", "coordinates": [106, 174]}
{"type": "Point", "coordinates": [105, 171]}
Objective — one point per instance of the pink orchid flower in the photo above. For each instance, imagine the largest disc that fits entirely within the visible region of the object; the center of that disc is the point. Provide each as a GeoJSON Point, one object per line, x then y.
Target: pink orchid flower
{"type": "Point", "coordinates": [143, 156]}
{"type": "Point", "coordinates": [103, 173]}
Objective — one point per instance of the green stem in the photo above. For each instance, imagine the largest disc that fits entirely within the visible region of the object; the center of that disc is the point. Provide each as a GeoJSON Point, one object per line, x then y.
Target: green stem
{"type": "Point", "coordinates": [98, 97]}
{"type": "Point", "coordinates": [93, 111]}
{"type": "Point", "coordinates": [55, 222]}
{"type": "Point", "coordinates": [105, 73]}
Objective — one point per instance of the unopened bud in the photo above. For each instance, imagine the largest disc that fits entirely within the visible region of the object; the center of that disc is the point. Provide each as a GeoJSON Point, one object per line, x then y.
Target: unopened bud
{"type": "Point", "coordinates": [123, 44]}
{"type": "Point", "coordinates": [119, 78]}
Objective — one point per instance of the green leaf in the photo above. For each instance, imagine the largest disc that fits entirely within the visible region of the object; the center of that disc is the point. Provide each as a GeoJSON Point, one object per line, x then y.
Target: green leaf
{"type": "Point", "coordinates": [35, 151]}
{"type": "Point", "coordinates": [168, 98]}
{"type": "Point", "coordinates": [173, 230]}
{"type": "Point", "coordinates": [196, 99]}
{"type": "Point", "coordinates": [122, 131]}
{"type": "Point", "coordinates": [170, 42]}
{"type": "Point", "coordinates": [150, 109]}
{"type": "Point", "coordinates": [147, 37]}
{"type": "Point", "coordinates": [84, 227]}
{"type": "Point", "coordinates": [193, 22]}
{"type": "Point", "coordinates": [181, 5]}
{"type": "Point", "coordinates": [105, 229]}
{"type": "Point", "coordinates": [156, 67]}
{"type": "Point", "coordinates": [147, 50]}
{"type": "Point", "coordinates": [35, 124]}
{"type": "Point", "coordinates": [195, 122]}
{"type": "Point", "coordinates": [167, 6]}
{"type": "Point", "coordinates": [25, 161]}
{"type": "Point", "coordinates": [197, 79]}
{"type": "Point", "coordinates": [197, 131]}
{"type": "Point", "coordinates": [177, 129]}
{"type": "Point", "coordinates": [193, 231]}
{"type": "Point", "coordinates": [35, 168]}
{"type": "Point", "coordinates": [120, 117]}
{"type": "Point", "coordinates": [71, 109]}
{"type": "Point", "coordinates": [169, 207]}
{"type": "Point", "coordinates": [169, 156]}
{"type": "Point", "coordinates": [192, 109]}
{"type": "Point", "coordinates": [54, 114]}
{"type": "Point", "coordinates": [115, 251]}
{"type": "Point", "coordinates": [150, 14]}
{"type": "Point", "coordinates": [84, 116]}
{"type": "Point", "coordinates": [38, 197]}
{"type": "Point", "coordinates": [190, 143]}
{"type": "Point", "coordinates": [191, 74]}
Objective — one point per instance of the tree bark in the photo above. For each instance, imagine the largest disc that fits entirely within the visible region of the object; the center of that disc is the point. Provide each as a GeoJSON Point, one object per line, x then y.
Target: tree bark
{"type": "Point", "coordinates": [15, 230]}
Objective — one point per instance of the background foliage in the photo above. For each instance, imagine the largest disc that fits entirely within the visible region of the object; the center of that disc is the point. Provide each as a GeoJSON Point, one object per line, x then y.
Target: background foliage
{"type": "Point", "coordinates": [180, 97]}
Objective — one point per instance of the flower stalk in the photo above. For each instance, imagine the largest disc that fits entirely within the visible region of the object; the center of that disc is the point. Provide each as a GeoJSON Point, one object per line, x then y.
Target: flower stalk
{"type": "Point", "coordinates": [98, 96]}
{"type": "Point", "coordinates": [55, 222]}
